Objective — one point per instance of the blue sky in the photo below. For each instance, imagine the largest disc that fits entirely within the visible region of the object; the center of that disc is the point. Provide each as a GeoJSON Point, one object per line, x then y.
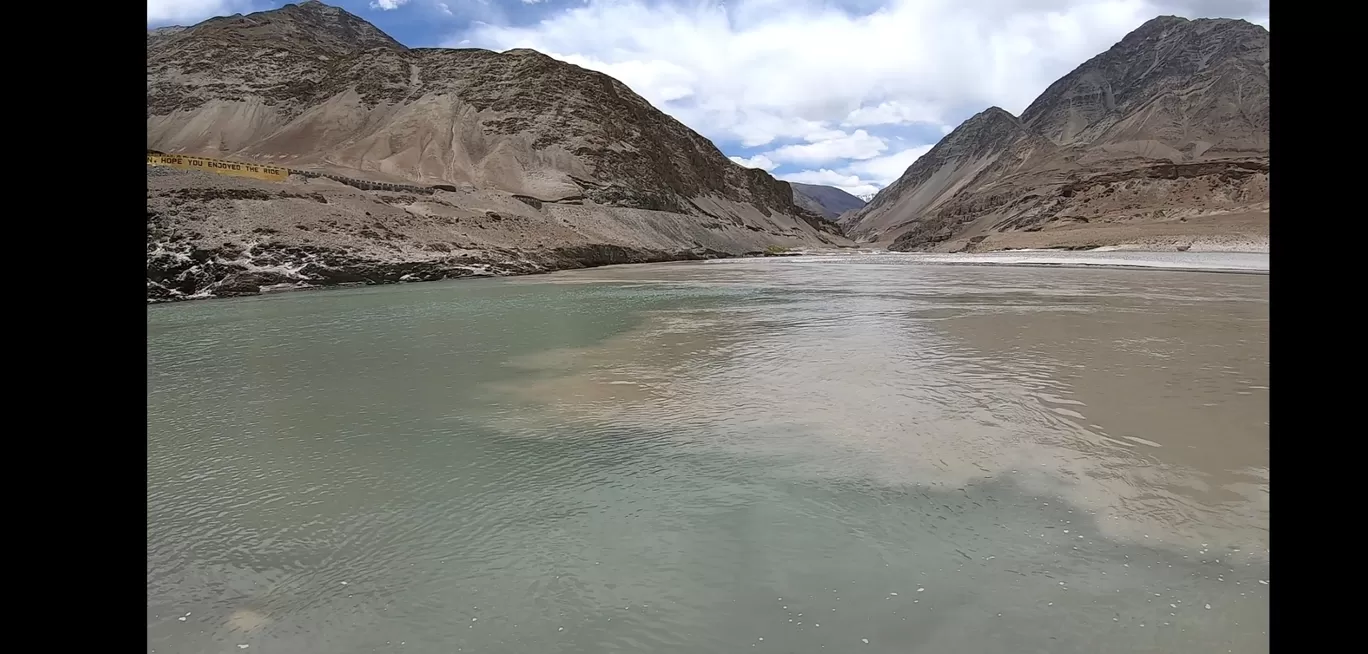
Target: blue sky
{"type": "Point", "coordinates": [846, 93]}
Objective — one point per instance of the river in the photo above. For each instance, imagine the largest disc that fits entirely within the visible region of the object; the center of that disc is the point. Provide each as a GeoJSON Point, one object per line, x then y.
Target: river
{"type": "Point", "coordinates": [809, 454]}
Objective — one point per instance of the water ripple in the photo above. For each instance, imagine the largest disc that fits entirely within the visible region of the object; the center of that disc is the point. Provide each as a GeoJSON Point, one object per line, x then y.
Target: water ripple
{"type": "Point", "coordinates": [692, 458]}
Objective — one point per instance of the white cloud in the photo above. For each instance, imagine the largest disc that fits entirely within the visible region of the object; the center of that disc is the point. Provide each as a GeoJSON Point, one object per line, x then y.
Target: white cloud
{"type": "Point", "coordinates": [861, 177]}
{"type": "Point", "coordinates": [754, 69]}
{"type": "Point", "coordinates": [189, 12]}
{"type": "Point", "coordinates": [883, 171]}
{"type": "Point", "coordinates": [892, 113]}
{"type": "Point", "coordinates": [758, 161]}
{"type": "Point", "coordinates": [390, 5]}
{"type": "Point", "coordinates": [830, 145]}
{"type": "Point", "coordinates": [442, 7]}
{"type": "Point", "coordinates": [803, 76]}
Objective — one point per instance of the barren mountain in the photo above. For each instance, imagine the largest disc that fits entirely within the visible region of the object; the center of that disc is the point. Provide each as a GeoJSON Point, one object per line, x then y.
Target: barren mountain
{"type": "Point", "coordinates": [582, 161]}
{"type": "Point", "coordinates": [1161, 139]}
{"type": "Point", "coordinates": [828, 201]}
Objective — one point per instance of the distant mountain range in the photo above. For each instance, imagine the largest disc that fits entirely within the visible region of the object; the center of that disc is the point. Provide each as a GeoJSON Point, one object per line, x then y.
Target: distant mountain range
{"type": "Point", "coordinates": [1163, 136]}
{"type": "Point", "coordinates": [828, 201]}
{"type": "Point", "coordinates": [515, 162]}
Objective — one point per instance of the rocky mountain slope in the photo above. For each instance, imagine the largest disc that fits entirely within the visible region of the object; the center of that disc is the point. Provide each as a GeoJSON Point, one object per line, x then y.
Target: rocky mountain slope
{"type": "Point", "coordinates": [574, 157]}
{"type": "Point", "coordinates": [828, 201]}
{"type": "Point", "coordinates": [1163, 138]}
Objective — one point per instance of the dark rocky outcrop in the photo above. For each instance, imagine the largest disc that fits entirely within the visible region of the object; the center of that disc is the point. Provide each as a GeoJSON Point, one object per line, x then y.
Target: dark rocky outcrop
{"type": "Point", "coordinates": [224, 272]}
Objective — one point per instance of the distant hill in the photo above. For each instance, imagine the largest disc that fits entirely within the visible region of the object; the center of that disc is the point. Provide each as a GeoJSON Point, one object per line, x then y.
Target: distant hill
{"type": "Point", "coordinates": [1165, 133]}
{"type": "Point", "coordinates": [828, 201]}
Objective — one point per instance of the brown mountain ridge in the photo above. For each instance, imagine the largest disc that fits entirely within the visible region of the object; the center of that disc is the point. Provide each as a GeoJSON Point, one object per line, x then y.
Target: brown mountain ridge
{"type": "Point", "coordinates": [553, 165]}
{"type": "Point", "coordinates": [1163, 138]}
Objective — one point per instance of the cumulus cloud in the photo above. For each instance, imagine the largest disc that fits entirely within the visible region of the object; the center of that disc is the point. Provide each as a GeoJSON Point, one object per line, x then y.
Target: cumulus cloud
{"type": "Point", "coordinates": [189, 12]}
{"type": "Point", "coordinates": [390, 5]}
{"type": "Point", "coordinates": [830, 145]}
{"type": "Point", "coordinates": [769, 73]}
{"type": "Point", "coordinates": [758, 161]}
{"type": "Point", "coordinates": [892, 113]}
{"type": "Point", "coordinates": [805, 59]}
{"type": "Point", "coordinates": [861, 177]}
{"type": "Point", "coordinates": [883, 171]}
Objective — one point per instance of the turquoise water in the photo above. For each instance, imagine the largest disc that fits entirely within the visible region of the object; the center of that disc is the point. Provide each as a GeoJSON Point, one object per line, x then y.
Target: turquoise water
{"type": "Point", "coordinates": [759, 455]}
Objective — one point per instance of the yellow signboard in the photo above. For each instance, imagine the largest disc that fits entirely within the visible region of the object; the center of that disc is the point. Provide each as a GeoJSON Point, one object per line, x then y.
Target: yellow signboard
{"type": "Point", "coordinates": [220, 166]}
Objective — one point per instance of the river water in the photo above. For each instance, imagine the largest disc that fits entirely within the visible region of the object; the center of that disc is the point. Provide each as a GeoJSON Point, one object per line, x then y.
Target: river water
{"type": "Point", "coordinates": [817, 454]}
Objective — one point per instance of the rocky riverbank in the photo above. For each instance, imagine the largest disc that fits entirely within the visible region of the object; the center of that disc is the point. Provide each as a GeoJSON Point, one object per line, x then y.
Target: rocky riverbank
{"type": "Point", "coordinates": [214, 236]}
